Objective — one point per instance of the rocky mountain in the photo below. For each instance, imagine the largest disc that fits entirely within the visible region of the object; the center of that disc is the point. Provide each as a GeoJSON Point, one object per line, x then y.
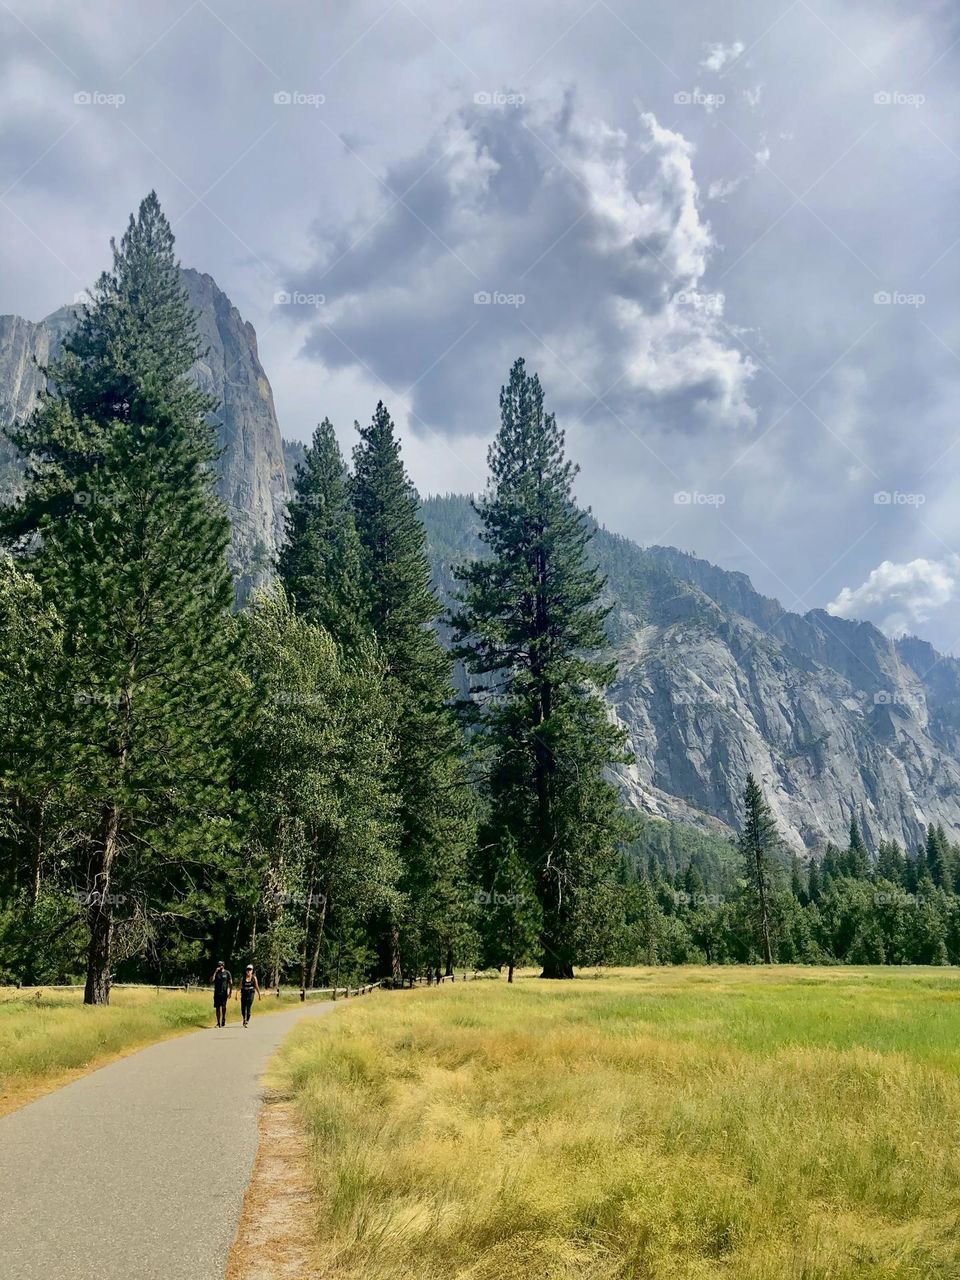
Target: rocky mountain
{"type": "Point", "coordinates": [252, 470]}
{"type": "Point", "coordinates": [715, 680]}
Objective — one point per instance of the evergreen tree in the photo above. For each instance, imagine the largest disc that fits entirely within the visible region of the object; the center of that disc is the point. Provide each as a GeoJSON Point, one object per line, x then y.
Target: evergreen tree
{"type": "Point", "coordinates": [890, 862]}
{"type": "Point", "coordinates": [938, 856]}
{"type": "Point", "coordinates": [120, 527]}
{"type": "Point", "coordinates": [435, 803]}
{"type": "Point", "coordinates": [320, 561]}
{"type": "Point", "coordinates": [758, 843]}
{"type": "Point", "coordinates": [530, 619]}
{"type": "Point", "coordinates": [858, 856]}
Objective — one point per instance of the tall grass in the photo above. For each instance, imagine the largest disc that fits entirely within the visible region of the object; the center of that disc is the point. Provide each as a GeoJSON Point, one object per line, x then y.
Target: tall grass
{"type": "Point", "coordinates": [794, 1124]}
{"type": "Point", "coordinates": [46, 1034]}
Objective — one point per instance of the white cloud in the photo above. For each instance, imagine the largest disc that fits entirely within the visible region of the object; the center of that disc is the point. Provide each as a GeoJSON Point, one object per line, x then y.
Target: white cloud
{"type": "Point", "coordinates": [597, 230]}
{"type": "Point", "coordinates": [719, 55]}
{"type": "Point", "coordinates": [899, 597]}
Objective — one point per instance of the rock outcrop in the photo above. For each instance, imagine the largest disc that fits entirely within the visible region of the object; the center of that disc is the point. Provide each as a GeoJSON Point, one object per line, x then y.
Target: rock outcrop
{"type": "Point", "coordinates": [252, 470]}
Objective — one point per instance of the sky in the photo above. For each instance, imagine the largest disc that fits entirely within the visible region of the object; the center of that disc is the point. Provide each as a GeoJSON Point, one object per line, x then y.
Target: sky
{"type": "Point", "coordinates": [726, 237]}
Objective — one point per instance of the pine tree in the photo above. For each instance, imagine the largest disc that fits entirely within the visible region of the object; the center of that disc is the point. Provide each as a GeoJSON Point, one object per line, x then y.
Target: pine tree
{"type": "Point", "coordinates": [320, 561]}
{"type": "Point", "coordinates": [435, 814]}
{"type": "Point", "coordinates": [121, 529]}
{"type": "Point", "coordinates": [858, 856]}
{"type": "Point", "coordinates": [938, 856]}
{"type": "Point", "coordinates": [758, 842]}
{"type": "Point", "coordinates": [530, 619]}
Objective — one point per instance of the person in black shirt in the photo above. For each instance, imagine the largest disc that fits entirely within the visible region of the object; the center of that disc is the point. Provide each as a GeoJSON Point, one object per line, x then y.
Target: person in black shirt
{"type": "Point", "coordinates": [249, 986]}
{"type": "Point", "coordinates": [222, 987]}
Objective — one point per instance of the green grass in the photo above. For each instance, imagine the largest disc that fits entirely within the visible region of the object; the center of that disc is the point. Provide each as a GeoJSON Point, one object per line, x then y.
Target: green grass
{"type": "Point", "coordinates": [793, 1124]}
{"type": "Point", "coordinates": [48, 1037]}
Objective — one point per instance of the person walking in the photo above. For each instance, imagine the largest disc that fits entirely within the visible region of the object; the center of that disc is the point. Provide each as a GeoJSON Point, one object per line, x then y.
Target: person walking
{"type": "Point", "coordinates": [249, 986]}
{"type": "Point", "coordinates": [222, 988]}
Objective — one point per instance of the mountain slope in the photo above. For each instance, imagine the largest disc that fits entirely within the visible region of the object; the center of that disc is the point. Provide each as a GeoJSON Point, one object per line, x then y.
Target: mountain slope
{"type": "Point", "coordinates": [252, 472]}
{"type": "Point", "coordinates": [715, 680]}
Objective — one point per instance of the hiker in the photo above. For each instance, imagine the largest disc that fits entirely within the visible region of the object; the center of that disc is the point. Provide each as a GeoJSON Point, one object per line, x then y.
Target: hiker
{"type": "Point", "coordinates": [222, 987]}
{"type": "Point", "coordinates": [248, 985]}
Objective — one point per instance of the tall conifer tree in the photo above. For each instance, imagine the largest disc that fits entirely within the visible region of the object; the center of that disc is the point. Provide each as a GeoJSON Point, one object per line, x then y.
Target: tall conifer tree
{"type": "Point", "coordinates": [435, 805]}
{"type": "Point", "coordinates": [531, 621]}
{"type": "Point", "coordinates": [758, 843]}
{"type": "Point", "coordinates": [320, 562]}
{"type": "Point", "coordinates": [120, 526]}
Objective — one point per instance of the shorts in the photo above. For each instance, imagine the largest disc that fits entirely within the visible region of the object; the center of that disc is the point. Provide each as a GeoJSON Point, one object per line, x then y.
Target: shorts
{"type": "Point", "coordinates": [220, 1002]}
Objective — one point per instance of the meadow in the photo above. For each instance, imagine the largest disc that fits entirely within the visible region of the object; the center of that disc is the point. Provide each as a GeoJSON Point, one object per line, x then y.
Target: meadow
{"type": "Point", "coordinates": [781, 1124]}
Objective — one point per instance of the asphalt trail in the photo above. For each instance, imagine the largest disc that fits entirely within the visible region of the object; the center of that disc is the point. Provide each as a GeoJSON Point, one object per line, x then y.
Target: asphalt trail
{"type": "Point", "coordinates": [137, 1171]}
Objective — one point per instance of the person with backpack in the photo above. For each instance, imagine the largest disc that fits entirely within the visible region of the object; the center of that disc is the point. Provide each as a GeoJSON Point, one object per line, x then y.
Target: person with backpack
{"type": "Point", "coordinates": [249, 986]}
{"type": "Point", "coordinates": [222, 987]}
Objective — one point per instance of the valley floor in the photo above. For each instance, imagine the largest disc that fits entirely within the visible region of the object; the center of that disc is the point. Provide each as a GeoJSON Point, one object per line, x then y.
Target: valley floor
{"type": "Point", "coordinates": [682, 1123]}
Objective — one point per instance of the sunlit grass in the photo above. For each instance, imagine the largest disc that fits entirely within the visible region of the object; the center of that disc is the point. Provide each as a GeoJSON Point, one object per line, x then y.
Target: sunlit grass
{"type": "Point", "coordinates": [676, 1123]}
{"type": "Point", "coordinates": [48, 1036]}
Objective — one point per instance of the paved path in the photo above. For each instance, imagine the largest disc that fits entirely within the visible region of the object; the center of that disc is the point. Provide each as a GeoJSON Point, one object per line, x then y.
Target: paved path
{"type": "Point", "coordinates": [137, 1171]}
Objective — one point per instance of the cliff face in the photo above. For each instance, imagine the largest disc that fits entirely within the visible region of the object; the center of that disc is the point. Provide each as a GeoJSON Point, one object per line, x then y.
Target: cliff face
{"type": "Point", "coordinates": [715, 681]}
{"type": "Point", "coordinates": [252, 473]}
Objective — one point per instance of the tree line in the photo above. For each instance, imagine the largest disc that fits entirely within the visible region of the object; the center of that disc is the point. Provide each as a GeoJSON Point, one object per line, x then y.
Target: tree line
{"type": "Point", "coordinates": [695, 899]}
{"type": "Point", "coordinates": [296, 779]}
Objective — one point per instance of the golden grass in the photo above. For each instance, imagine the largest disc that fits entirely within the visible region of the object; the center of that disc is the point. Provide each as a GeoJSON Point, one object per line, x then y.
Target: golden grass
{"type": "Point", "coordinates": [794, 1124]}
{"type": "Point", "coordinates": [49, 1037]}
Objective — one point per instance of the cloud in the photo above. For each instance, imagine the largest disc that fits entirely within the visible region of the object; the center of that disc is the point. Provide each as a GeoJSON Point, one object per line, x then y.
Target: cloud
{"type": "Point", "coordinates": [531, 229]}
{"type": "Point", "coordinates": [899, 597]}
{"type": "Point", "coordinates": [719, 55]}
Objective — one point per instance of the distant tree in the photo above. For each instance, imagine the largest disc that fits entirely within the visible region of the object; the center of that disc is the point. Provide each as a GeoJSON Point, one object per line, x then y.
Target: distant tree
{"type": "Point", "coordinates": [758, 844]}
{"type": "Point", "coordinates": [858, 856]}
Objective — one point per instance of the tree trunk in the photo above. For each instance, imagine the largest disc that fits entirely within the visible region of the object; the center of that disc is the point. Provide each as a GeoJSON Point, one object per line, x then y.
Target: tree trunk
{"type": "Point", "coordinates": [395, 967]}
{"type": "Point", "coordinates": [449, 968]}
{"type": "Point", "coordinates": [315, 959]}
{"type": "Point", "coordinates": [306, 934]}
{"type": "Point", "coordinates": [100, 908]}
